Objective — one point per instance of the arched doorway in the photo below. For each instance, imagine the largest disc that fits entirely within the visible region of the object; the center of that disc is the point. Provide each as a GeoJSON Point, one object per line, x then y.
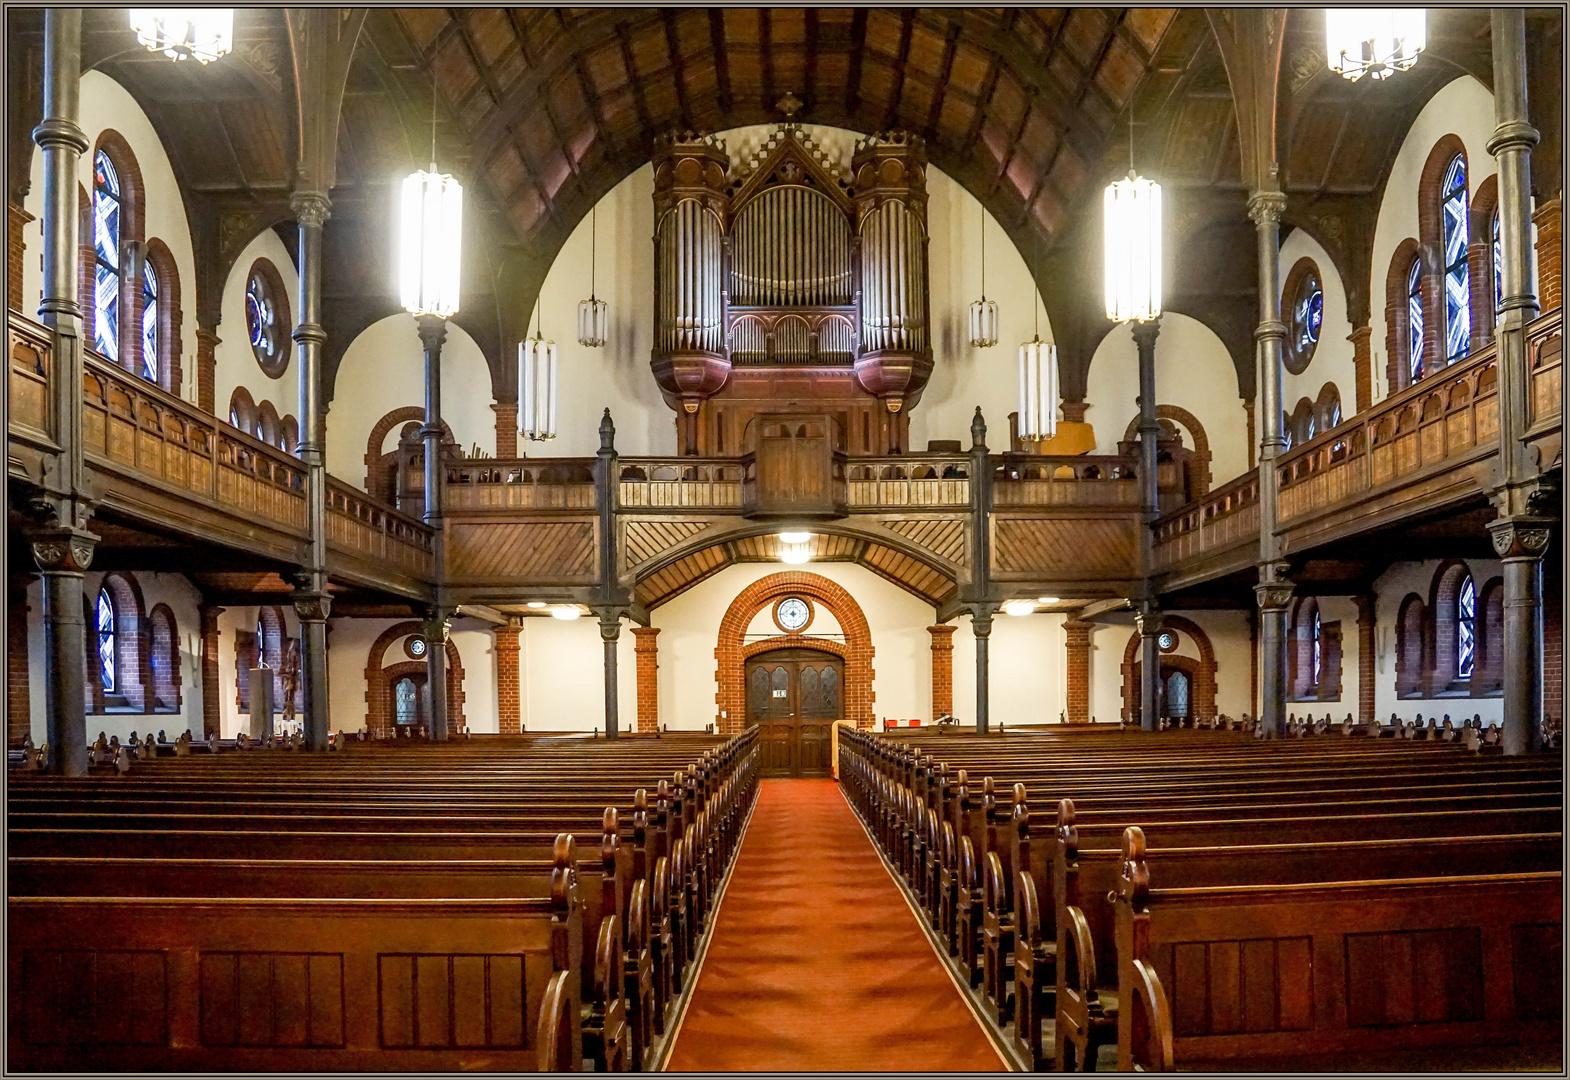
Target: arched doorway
{"type": "Point", "coordinates": [794, 696]}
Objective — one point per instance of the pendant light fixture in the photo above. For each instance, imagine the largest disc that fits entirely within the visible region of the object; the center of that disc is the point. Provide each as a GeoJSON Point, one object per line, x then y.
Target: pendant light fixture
{"type": "Point", "coordinates": [537, 385]}
{"type": "Point", "coordinates": [1377, 42]}
{"type": "Point", "coordinates": [983, 312]}
{"type": "Point", "coordinates": [200, 34]}
{"type": "Point", "coordinates": [1133, 244]}
{"type": "Point", "coordinates": [591, 312]}
{"type": "Point", "coordinates": [430, 243]}
{"type": "Point", "coordinates": [1038, 385]}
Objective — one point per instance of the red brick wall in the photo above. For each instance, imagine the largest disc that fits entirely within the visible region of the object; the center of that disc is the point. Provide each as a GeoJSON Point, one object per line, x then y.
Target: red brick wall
{"type": "Point", "coordinates": [1363, 366]}
{"type": "Point", "coordinates": [210, 688]}
{"type": "Point", "coordinates": [506, 428]}
{"type": "Point", "coordinates": [1078, 690]}
{"type": "Point", "coordinates": [1202, 705]}
{"type": "Point", "coordinates": [15, 251]}
{"type": "Point", "coordinates": [18, 700]}
{"type": "Point", "coordinates": [646, 647]}
{"type": "Point", "coordinates": [1553, 642]}
{"type": "Point", "coordinates": [509, 688]}
{"type": "Point", "coordinates": [942, 669]}
{"type": "Point", "coordinates": [730, 649]}
{"type": "Point", "coordinates": [1366, 647]}
{"type": "Point", "coordinates": [1550, 255]}
{"type": "Point", "coordinates": [207, 342]}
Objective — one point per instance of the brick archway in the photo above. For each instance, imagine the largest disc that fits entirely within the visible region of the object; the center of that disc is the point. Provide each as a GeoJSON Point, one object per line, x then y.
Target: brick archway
{"type": "Point", "coordinates": [1203, 703]}
{"type": "Point", "coordinates": [378, 721]}
{"type": "Point", "coordinates": [1196, 431]}
{"type": "Point", "coordinates": [732, 648]}
{"type": "Point", "coordinates": [373, 447]}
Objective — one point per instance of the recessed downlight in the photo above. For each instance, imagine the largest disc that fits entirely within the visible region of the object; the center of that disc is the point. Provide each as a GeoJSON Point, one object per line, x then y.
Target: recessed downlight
{"type": "Point", "coordinates": [1018, 607]}
{"type": "Point", "coordinates": [565, 613]}
{"type": "Point", "coordinates": [1047, 600]}
{"type": "Point", "coordinates": [536, 604]}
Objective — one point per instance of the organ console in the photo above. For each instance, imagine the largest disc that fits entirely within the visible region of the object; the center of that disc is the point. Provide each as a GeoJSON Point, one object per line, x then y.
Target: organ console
{"type": "Point", "coordinates": [787, 286]}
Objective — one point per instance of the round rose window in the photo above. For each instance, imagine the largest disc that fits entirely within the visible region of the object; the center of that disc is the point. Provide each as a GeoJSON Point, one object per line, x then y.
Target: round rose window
{"type": "Point", "coordinates": [792, 614]}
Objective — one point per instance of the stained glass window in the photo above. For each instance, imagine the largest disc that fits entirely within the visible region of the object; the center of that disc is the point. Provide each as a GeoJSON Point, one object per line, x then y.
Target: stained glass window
{"type": "Point", "coordinates": [1414, 314]}
{"type": "Point", "coordinates": [1499, 273]}
{"type": "Point", "coordinates": [1177, 694]}
{"type": "Point", "coordinates": [405, 697]}
{"type": "Point", "coordinates": [1466, 628]}
{"type": "Point", "coordinates": [1319, 658]}
{"type": "Point", "coordinates": [1453, 215]}
{"type": "Point", "coordinates": [149, 323]}
{"type": "Point", "coordinates": [1310, 313]}
{"type": "Point", "coordinates": [106, 257]}
{"type": "Point", "coordinates": [106, 646]}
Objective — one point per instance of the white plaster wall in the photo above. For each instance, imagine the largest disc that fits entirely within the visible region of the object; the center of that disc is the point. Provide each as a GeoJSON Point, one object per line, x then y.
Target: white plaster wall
{"type": "Point", "coordinates": [384, 369]}
{"type": "Point", "coordinates": [1333, 356]}
{"type": "Point", "coordinates": [1027, 661]}
{"type": "Point", "coordinates": [1390, 589]}
{"type": "Point", "coordinates": [236, 363]}
{"type": "Point", "coordinates": [561, 668]}
{"type": "Point", "coordinates": [1193, 371]}
{"type": "Point", "coordinates": [231, 721]}
{"type": "Point", "coordinates": [348, 644]}
{"type": "Point", "coordinates": [106, 104]}
{"type": "Point", "coordinates": [37, 688]}
{"type": "Point", "coordinates": [1464, 108]}
{"type": "Point", "coordinates": [1334, 609]}
{"type": "Point", "coordinates": [689, 629]}
{"type": "Point", "coordinates": [1228, 634]}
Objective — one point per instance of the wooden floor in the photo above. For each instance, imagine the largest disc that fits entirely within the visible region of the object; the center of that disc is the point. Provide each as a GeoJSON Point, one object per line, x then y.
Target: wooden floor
{"type": "Point", "coordinates": [816, 962]}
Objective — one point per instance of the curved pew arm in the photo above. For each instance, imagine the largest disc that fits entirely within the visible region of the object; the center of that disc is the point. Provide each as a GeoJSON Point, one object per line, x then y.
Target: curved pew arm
{"type": "Point", "coordinates": [1149, 1021]}
{"type": "Point", "coordinates": [558, 1051]}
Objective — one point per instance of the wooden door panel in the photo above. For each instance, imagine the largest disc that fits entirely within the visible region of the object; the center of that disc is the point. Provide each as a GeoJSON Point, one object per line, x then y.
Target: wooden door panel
{"type": "Point", "coordinates": [794, 696]}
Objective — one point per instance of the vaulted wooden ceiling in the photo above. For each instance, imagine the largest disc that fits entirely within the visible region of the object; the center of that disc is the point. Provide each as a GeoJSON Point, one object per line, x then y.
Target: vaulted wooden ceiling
{"type": "Point", "coordinates": [543, 110]}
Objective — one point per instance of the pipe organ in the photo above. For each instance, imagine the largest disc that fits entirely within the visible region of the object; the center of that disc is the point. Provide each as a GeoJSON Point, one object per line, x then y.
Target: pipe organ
{"type": "Point", "coordinates": [784, 284]}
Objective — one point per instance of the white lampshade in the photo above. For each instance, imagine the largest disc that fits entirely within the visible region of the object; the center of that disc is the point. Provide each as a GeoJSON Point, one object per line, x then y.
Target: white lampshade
{"type": "Point", "coordinates": [1038, 390]}
{"type": "Point", "coordinates": [591, 322]}
{"type": "Point", "coordinates": [200, 34]}
{"type": "Point", "coordinates": [1019, 607]}
{"type": "Point", "coordinates": [430, 243]}
{"type": "Point", "coordinates": [537, 389]}
{"type": "Point", "coordinates": [1133, 255]}
{"type": "Point", "coordinates": [795, 554]}
{"type": "Point", "coordinates": [1377, 42]}
{"type": "Point", "coordinates": [983, 323]}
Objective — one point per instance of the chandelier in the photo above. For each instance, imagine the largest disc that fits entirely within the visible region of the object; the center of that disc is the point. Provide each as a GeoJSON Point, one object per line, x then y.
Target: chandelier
{"type": "Point", "coordinates": [983, 312]}
{"type": "Point", "coordinates": [537, 386]}
{"type": "Point", "coordinates": [200, 34]}
{"type": "Point", "coordinates": [591, 312]}
{"type": "Point", "coordinates": [1038, 387]}
{"type": "Point", "coordinates": [1133, 249]}
{"type": "Point", "coordinates": [1377, 42]}
{"type": "Point", "coordinates": [430, 238]}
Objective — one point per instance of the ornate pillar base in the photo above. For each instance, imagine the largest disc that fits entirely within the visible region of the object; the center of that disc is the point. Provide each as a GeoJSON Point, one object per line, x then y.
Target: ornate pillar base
{"type": "Point", "coordinates": [1148, 622]}
{"type": "Point", "coordinates": [63, 555]}
{"type": "Point", "coordinates": [1274, 595]}
{"type": "Point", "coordinates": [1520, 543]}
{"type": "Point", "coordinates": [312, 606]}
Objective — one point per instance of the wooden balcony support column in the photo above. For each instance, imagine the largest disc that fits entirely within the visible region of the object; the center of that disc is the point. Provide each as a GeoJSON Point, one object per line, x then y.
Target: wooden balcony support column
{"type": "Point", "coordinates": [1265, 208]}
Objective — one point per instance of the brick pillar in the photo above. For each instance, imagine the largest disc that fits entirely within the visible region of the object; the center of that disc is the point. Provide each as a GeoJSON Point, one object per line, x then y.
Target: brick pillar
{"type": "Point", "coordinates": [1550, 256]}
{"type": "Point", "coordinates": [1366, 646]}
{"type": "Point", "coordinates": [1253, 440]}
{"type": "Point", "coordinates": [1480, 303]}
{"type": "Point", "coordinates": [1079, 635]}
{"type": "Point", "coordinates": [1553, 688]}
{"type": "Point", "coordinates": [646, 647]}
{"type": "Point", "coordinates": [1363, 366]}
{"type": "Point", "coordinates": [18, 698]}
{"type": "Point", "coordinates": [211, 724]}
{"type": "Point", "coordinates": [942, 670]}
{"type": "Point", "coordinates": [207, 342]}
{"type": "Point", "coordinates": [506, 428]}
{"type": "Point", "coordinates": [509, 688]}
{"type": "Point", "coordinates": [15, 250]}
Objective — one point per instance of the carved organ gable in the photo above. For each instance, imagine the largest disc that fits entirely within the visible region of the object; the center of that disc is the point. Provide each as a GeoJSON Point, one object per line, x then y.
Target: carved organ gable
{"type": "Point", "coordinates": [785, 261]}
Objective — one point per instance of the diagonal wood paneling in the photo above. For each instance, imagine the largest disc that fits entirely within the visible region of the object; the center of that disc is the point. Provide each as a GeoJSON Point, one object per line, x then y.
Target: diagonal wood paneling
{"type": "Point", "coordinates": [545, 551]}
{"type": "Point", "coordinates": [643, 540]}
{"type": "Point", "coordinates": [668, 582]}
{"type": "Point", "coordinates": [1064, 550]}
{"type": "Point", "coordinates": [944, 537]}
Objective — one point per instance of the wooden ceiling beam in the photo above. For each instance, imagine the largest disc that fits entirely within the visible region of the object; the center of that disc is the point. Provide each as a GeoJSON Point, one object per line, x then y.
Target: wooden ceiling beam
{"type": "Point", "coordinates": [901, 68]}
{"type": "Point", "coordinates": [858, 39]}
{"type": "Point", "coordinates": [940, 89]}
{"type": "Point", "coordinates": [721, 60]}
{"type": "Point", "coordinates": [678, 66]}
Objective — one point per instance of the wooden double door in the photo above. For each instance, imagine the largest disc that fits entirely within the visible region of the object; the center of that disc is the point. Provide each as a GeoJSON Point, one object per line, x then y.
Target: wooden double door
{"type": "Point", "coordinates": [794, 696]}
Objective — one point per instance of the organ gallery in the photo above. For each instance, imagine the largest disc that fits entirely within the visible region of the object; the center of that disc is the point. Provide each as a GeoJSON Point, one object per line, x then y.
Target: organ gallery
{"type": "Point", "coordinates": [784, 539]}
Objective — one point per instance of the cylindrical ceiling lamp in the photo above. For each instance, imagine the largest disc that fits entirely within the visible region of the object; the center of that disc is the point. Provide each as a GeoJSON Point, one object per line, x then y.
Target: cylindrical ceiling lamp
{"type": "Point", "coordinates": [1038, 390]}
{"type": "Point", "coordinates": [200, 34]}
{"type": "Point", "coordinates": [537, 388]}
{"type": "Point", "coordinates": [1377, 42]}
{"type": "Point", "coordinates": [430, 243]}
{"type": "Point", "coordinates": [1133, 249]}
{"type": "Point", "coordinates": [591, 312]}
{"type": "Point", "coordinates": [983, 312]}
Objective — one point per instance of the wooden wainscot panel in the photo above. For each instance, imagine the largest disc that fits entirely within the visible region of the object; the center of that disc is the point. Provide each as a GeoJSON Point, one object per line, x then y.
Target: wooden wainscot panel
{"type": "Point", "coordinates": [1064, 548]}
{"type": "Point", "coordinates": [1547, 356]}
{"type": "Point", "coordinates": [944, 537]}
{"type": "Point", "coordinates": [564, 551]}
{"type": "Point", "coordinates": [32, 366]}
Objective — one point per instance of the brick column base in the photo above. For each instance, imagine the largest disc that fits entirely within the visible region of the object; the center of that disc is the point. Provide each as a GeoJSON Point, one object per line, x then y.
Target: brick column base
{"type": "Point", "coordinates": [509, 687]}
{"type": "Point", "coordinates": [207, 342]}
{"type": "Point", "coordinates": [942, 670]}
{"type": "Point", "coordinates": [18, 697]}
{"type": "Point", "coordinates": [506, 428]}
{"type": "Point", "coordinates": [1550, 255]}
{"type": "Point", "coordinates": [211, 724]}
{"type": "Point", "coordinates": [1077, 708]}
{"type": "Point", "coordinates": [646, 647]}
{"type": "Point", "coordinates": [1365, 657]}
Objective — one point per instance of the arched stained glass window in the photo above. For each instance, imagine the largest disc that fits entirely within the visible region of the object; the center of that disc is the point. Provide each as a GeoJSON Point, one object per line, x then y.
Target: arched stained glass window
{"type": "Point", "coordinates": [1414, 314]}
{"type": "Point", "coordinates": [1499, 273]}
{"type": "Point", "coordinates": [106, 257]}
{"type": "Point", "coordinates": [149, 323]}
{"type": "Point", "coordinates": [1177, 694]}
{"type": "Point", "coordinates": [406, 702]}
{"type": "Point", "coordinates": [104, 620]}
{"type": "Point", "coordinates": [1466, 628]}
{"type": "Point", "coordinates": [1453, 223]}
{"type": "Point", "coordinates": [1319, 652]}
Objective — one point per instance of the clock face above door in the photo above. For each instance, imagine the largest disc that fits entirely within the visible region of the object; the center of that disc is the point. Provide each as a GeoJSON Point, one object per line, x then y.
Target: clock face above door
{"type": "Point", "coordinates": [792, 614]}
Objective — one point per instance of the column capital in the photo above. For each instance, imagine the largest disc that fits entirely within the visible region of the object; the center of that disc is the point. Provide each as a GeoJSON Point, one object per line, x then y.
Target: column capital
{"type": "Point", "coordinates": [981, 616]}
{"type": "Point", "coordinates": [1512, 135]}
{"type": "Point", "coordinates": [432, 330]}
{"type": "Point", "coordinates": [1266, 207]}
{"type": "Point", "coordinates": [942, 632]}
{"type": "Point", "coordinates": [1520, 537]}
{"type": "Point", "coordinates": [57, 131]}
{"type": "Point", "coordinates": [62, 550]}
{"type": "Point", "coordinates": [1273, 595]}
{"type": "Point", "coordinates": [1146, 331]}
{"type": "Point", "coordinates": [1149, 621]}
{"type": "Point", "coordinates": [312, 605]}
{"type": "Point", "coordinates": [645, 636]}
{"type": "Point", "coordinates": [311, 208]}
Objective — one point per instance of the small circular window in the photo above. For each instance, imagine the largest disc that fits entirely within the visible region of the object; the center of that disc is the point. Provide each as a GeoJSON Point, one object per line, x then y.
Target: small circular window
{"type": "Point", "coordinates": [415, 647]}
{"type": "Point", "coordinates": [267, 318]}
{"type": "Point", "coordinates": [1303, 304]}
{"type": "Point", "coordinates": [1166, 641]}
{"type": "Point", "coordinates": [793, 614]}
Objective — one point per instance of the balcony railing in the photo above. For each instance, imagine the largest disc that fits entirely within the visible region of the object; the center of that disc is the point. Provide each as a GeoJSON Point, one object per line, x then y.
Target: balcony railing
{"type": "Point", "coordinates": [1084, 480]}
{"type": "Point", "coordinates": [1219, 520]}
{"type": "Point", "coordinates": [374, 531]}
{"type": "Point", "coordinates": [520, 484]}
{"type": "Point", "coordinates": [680, 483]}
{"type": "Point", "coordinates": [921, 481]}
{"type": "Point", "coordinates": [31, 349]}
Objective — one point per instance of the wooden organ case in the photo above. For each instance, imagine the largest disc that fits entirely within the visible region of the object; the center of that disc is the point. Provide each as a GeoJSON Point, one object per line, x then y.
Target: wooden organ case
{"type": "Point", "coordinates": [786, 288]}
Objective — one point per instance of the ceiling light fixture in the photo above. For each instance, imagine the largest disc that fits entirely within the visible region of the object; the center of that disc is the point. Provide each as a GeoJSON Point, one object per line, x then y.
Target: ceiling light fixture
{"type": "Point", "coordinates": [535, 604]}
{"type": "Point", "coordinates": [1038, 386]}
{"type": "Point", "coordinates": [537, 359]}
{"type": "Point", "coordinates": [1377, 42]}
{"type": "Point", "coordinates": [796, 554]}
{"type": "Point", "coordinates": [1047, 600]}
{"type": "Point", "coordinates": [430, 242]}
{"type": "Point", "coordinates": [795, 537]}
{"type": "Point", "coordinates": [200, 34]}
{"type": "Point", "coordinates": [983, 312]}
{"type": "Point", "coordinates": [591, 312]}
{"type": "Point", "coordinates": [1132, 223]}
{"type": "Point", "coordinates": [565, 613]}
{"type": "Point", "coordinates": [1019, 607]}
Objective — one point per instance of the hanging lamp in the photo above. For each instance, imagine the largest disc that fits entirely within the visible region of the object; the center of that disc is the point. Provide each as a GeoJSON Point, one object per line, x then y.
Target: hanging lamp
{"type": "Point", "coordinates": [430, 241]}
{"type": "Point", "coordinates": [200, 34]}
{"type": "Point", "coordinates": [1038, 386]}
{"type": "Point", "coordinates": [591, 312]}
{"type": "Point", "coordinates": [1132, 225]}
{"type": "Point", "coordinates": [983, 312]}
{"type": "Point", "coordinates": [537, 385]}
{"type": "Point", "coordinates": [1377, 42]}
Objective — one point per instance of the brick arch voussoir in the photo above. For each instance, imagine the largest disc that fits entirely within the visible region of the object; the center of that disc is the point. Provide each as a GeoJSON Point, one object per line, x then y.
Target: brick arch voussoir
{"type": "Point", "coordinates": [376, 719]}
{"type": "Point", "coordinates": [1196, 430]}
{"type": "Point", "coordinates": [378, 436]}
{"type": "Point", "coordinates": [1204, 672]}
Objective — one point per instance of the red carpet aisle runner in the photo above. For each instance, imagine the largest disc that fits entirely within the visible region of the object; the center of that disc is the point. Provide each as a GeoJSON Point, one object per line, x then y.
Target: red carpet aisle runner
{"type": "Point", "coordinates": [816, 962]}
